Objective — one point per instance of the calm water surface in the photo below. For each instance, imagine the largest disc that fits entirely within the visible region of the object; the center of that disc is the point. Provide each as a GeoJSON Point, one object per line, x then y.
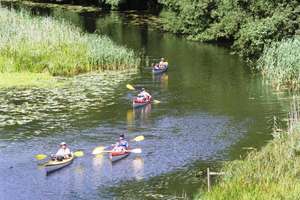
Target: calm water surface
{"type": "Point", "coordinates": [211, 107]}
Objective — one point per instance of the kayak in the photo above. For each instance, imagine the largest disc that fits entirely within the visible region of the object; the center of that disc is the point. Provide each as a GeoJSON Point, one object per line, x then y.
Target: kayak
{"type": "Point", "coordinates": [54, 165]}
{"type": "Point", "coordinates": [118, 155]}
{"type": "Point", "coordinates": [137, 104]}
{"type": "Point", "coordinates": [159, 71]}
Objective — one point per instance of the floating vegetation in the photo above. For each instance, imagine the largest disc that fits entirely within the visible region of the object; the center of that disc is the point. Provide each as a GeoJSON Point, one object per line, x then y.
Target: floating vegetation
{"type": "Point", "coordinates": [42, 44]}
{"type": "Point", "coordinates": [35, 111]}
{"type": "Point", "coordinates": [27, 79]}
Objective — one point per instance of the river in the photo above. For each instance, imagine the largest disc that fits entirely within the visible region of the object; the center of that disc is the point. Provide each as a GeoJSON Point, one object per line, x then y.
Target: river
{"type": "Point", "coordinates": [212, 107]}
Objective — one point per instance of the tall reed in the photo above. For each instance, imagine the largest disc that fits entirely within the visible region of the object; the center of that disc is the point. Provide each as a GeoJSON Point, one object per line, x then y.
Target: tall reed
{"type": "Point", "coordinates": [271, 173]}
{"type": "Point", "coordinates": [43, 44]}
{"type": "Point", "coordinates": [280, 63]}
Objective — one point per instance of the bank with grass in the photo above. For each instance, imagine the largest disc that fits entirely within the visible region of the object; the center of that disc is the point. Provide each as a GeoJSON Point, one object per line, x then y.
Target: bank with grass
{"type": "Point", "coordinates": [271, 173]}
{"type": "Point", "coordinates": [36, 45]}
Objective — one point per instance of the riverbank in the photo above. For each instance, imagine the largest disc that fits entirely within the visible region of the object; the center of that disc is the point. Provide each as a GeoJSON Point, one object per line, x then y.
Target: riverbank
{"type": "Point", "coordinates": [31, 44]}
{"type": "Point", "coordinates": [271, 173]}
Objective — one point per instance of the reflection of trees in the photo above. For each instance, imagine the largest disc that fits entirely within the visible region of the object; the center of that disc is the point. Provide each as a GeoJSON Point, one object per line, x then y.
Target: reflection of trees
{"type": "Point", "coordinates": [118, 28]}
{"type": "Point", "coordinates": [89, 22]}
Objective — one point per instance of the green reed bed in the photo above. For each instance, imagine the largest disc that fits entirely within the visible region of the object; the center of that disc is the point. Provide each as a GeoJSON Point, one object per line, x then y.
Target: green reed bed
{"type": "Point", "coordinates": [272, 173]}
{"type": "Point", "coordinates": [43, 44]}
{"type": "Point", "coordinates": [280, 63]}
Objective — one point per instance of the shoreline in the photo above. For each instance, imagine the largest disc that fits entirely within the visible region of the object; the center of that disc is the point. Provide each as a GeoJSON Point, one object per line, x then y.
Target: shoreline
{"type": "Point", "coordinates": [269, 173]}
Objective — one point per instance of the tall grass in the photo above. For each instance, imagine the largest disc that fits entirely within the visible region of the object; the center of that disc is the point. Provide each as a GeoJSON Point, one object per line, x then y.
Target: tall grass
{"type": "Point", "coordinates": [280, 63]}
{"type": "Point", "coordinates": [43, 44]}
{"type": "Point", "coordinates": [271, 173]}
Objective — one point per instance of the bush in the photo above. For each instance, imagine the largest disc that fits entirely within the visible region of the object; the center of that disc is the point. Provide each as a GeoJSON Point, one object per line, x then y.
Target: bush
{"type": "Point", "coordinates": [248, 25]}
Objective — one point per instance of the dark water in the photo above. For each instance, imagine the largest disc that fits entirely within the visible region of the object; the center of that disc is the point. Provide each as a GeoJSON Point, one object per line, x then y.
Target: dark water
{"type": "Point", "coordinates": [211, 107]}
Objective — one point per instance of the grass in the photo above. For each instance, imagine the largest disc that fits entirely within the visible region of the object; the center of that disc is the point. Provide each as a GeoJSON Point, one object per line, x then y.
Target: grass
{"type": "Point", "coordinates": [280, 63]}
{"type": "Point", "coordinates": [27, 79]}
{"type": "Point", "coordinates": [42, 44]}
{"type": "Point", "coordinates": [73, 8]}
{"type": "Point", "coordinates": [271, 173]}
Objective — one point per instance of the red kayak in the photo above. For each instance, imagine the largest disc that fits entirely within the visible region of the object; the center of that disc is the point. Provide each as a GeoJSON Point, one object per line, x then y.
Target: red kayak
{"type": "Point", "coordinates": [118, 155]}
{"type": "Point", "coordinates": [136, 103]}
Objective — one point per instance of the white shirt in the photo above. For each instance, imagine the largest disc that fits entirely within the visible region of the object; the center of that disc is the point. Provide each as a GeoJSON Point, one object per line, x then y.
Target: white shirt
{"type": "Point", "coordinates": [145, 94]}
{"type": "Point", "coordinates": [63, 152]}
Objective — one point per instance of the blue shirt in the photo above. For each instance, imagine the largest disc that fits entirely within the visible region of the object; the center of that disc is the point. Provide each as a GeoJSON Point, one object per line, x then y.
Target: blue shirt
{"type": "Point", "coordinates": [123, 143]}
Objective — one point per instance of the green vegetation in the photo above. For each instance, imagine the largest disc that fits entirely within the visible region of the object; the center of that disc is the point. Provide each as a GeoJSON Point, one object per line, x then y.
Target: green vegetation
{"type": "Point", "coordinates": [272, 173]}
{"type": "Point", "coordinates": [280, 63]}
{"type": "Point", "coordinates": [248, 25]}
{"type": "Point", "coordinates": [39, 45]}
{"type": "Point", "coordinates": [27, 79]}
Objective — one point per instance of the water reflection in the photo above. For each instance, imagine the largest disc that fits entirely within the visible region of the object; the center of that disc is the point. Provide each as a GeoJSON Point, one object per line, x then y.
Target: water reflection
{"type": "Point", "coordinates": [138, 168]}
{"type": "Point", "coordinates": [161, 79]}
{"type": "Point", "coordinates": [139, 116]}
{"type": "Point", "coordinates": [98, 162]}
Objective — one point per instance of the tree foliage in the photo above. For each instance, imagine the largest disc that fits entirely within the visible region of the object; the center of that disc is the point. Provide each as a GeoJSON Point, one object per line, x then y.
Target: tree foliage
{"type": "Point", "coordinates": [248, 25]}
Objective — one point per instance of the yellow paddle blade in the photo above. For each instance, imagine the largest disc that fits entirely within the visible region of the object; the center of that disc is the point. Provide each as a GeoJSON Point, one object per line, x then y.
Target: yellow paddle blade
{"type": "Point", "coordinates": [98, 150]}
{"type": "Point", "coordinates": [78, 153]}
{"type": "Point", "coordinates": [130, 87]}
{"type": "Point", "coordinates": [41, 156]}
{"type": "Point", "coordinates": [156, 101]}
{"type": "Point", "coordinates": [139, 138]}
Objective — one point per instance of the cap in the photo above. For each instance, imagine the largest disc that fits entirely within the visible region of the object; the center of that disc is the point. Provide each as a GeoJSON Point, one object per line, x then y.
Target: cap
{"type": "Point", "coordinates": [63, 143]}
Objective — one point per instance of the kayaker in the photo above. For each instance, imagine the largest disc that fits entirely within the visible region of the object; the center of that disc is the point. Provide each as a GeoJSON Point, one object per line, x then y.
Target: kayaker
{"type": "Point", "coordinates": [156, 66]}
{"type": "Point", "coordinates": [62, 153]}
{"type": "Point", "coordinates": [162, 63]}
{"type": "Point", "coordinates": [146, 95]}
{"type": "Point", "coordinates": [122, 144]}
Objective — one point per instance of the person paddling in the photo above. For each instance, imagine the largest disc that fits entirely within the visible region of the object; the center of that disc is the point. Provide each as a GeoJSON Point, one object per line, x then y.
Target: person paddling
{"type": "Point", "coordinates": [145, 94]}
{"type": "Point", "coordinates": [122, 144]}
{"type": "Point", "coordinates": [63, 152]}
{"type": "Point", "coordinates": [162, 63]}
{"type": "Point", "coordinates": [155, 66]}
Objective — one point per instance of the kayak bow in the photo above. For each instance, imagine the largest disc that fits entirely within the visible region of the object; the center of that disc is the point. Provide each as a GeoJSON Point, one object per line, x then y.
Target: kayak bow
{"type": "Point", "coordinates": [118, 155]}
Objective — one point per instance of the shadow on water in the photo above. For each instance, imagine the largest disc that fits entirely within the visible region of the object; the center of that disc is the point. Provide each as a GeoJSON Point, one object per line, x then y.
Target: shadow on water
{"type": "Point", "coordinates": [211, 107]}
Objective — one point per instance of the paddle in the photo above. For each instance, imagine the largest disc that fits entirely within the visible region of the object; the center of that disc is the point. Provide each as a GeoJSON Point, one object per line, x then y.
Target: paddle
{"type": "Point", "coordinates": [101, 149]}
{"type": "Point", "coordinates": [77, 153]}
{"type": "Point", "coordinates": [137, 150]}
{"type": "Point", "coordinates": [138, 138]}
{"type": "Point", "coordinates": [130, 87]}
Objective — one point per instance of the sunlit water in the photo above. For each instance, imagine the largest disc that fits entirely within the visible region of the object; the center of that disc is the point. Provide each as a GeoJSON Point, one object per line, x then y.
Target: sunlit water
{"type": "Point", "coordinates": [211, 107]}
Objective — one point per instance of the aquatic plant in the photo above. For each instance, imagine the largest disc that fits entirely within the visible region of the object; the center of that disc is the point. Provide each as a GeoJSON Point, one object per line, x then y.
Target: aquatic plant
{"type": "Point", "coordinates": [43, 44]}
{"type": "Point", "coordinates": [280, 63]}
{"type": "Point", "coordinates": [64, 106]}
